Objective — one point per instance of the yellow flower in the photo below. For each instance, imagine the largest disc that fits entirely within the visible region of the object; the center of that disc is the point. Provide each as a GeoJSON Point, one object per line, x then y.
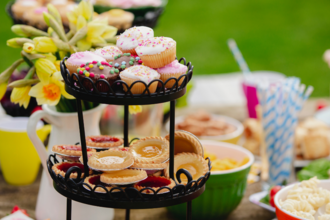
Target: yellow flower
{"type": "Point", "coordinates": [21, 96]}
{"type": "Point", "coordinates": [44, 45]}
{"type": "Point", "coordinates": [28, 47]}
{"type": "Point", "coordinates": [95, 30]}
{"type": "Point", "coordinates": [134, 109]}
{"type": "Point", "coordinates": [84, 9]}
{"type": "Point", "coordinates": [51, 85]}
{"type": "Point", "coordinates": [3, 88]}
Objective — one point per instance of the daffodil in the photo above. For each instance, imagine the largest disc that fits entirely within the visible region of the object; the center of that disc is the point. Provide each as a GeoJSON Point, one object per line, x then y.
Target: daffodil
{"type": "Point", "coordinates": [3, 88]}
{"type": "Point", "coordinates": [95, 30]}
{"type": "Point", "coordinates": [134, 109]}
{"type": "Point", "coordinates": [51, 85]}
{"type": "Point", "coordinates": [28, 47]}
{"type": "Point", "coordinates": [84, 9]}
{"type": "Point", "coordinates": [21, 96]}
{"type": "Point", "coordinates": [44, 45]}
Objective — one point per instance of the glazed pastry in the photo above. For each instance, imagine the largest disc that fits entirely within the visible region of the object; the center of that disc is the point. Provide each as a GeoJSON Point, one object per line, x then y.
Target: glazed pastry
{"type": "Point", "coordinates": [97, 70]}
{"type": "Point", "coordinates": [112, 159]}
{"type": "Point", "coordinates": [123, 177]}
{"type": "Point", "coordinates": [35, 17]}
{"type": "Point", "coordinates": [157, 52]}
{"type": "Point", "coordinates": [20, 7]}
{"type": "Point", "coordinates": [125, 61]}
{"type": "Point", "coordinates": [193, 163]}
{"type": "Point", "coordinates": [129, 40]}
{"type": "Point", "coordinates": [109, 53]}
{"type": "Point", "coordinates": [118, 18]}
{"type": "Point", "coordinates": [62, 168]}
{"type": "Point", "coordinates": [155, 183]}
{"type": "Point", "coordinates": [174, 69]}
{"type": "Point", "coordinates": [103, 141]}
{"type": "Point", "coordinates": [316, 145]}
{"type": "Point", "coordinates": [150, 150]}
{"type": "Point", "coordinates": [94, 180]}
{"type": "Point", "coordinates": [142, 73]}
{"type": "Point", "coordinates": [186, 142]}
{"type": "Point", "coordinates": [77, 59]}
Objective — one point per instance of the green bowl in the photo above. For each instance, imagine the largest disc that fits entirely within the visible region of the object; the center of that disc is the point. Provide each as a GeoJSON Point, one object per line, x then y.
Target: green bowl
{"type": "Point", "coordinates": [224, 189]}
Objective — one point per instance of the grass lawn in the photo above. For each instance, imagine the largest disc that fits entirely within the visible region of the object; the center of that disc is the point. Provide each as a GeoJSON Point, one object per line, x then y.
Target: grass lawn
{"type": "Point", "coordinates": [276, 35]}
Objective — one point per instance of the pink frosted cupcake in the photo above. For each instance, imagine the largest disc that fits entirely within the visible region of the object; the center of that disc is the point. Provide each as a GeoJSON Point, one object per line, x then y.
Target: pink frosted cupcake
{"type": "Point", "coordinates": [142, 73]}
{"type": "Point", "coordinates": [129, 40]}
{"type": "Point", "coordinates": [174, 69]}
{"type": "Point", "coordinates": [79, 58]}
{"type": "Point", "coordinates": [109, 53]}
{"type": "Point", "coordinates": [157, 52]}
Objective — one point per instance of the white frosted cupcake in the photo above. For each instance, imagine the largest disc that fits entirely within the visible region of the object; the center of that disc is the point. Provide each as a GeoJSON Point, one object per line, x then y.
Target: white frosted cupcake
{"type": "Point", "coordinates": [129, 40]}
{"type": "Point", "coordinates": [142, 73]}
{"type": "Point", "coordinates": [108, 53]}
{"type": "Point", "coordinates": [157, 52]}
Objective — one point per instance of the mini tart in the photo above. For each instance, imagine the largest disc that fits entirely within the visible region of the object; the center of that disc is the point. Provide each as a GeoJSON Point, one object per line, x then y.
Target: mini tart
{"type": "Point", "coordinates": [112, 159]}
{"type": "Point", "coordinates": [150, 150]}
{"type": "Point", "coordinates": [70, 150]}
{"type": "Point", "coordinates": [186, 142]}
{"type": "Point", "coordinates": [193, 163]}
{"type": "Point", "coordinates": [149, 165]}
{"type": "Point", "coordinates": [62, 168]}
{"type": "Point", "coordinates": [103, 141]}
{"type": "Point", "coordinates": [155, 182]}
{"type": "Point", "coordinates": [123, 176]}
{"type": "Point", "coordinates": [94, 180]}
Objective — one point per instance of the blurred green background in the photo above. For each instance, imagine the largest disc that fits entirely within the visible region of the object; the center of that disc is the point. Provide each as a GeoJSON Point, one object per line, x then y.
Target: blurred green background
{"type": "Point", "coordinates": [285, 36]}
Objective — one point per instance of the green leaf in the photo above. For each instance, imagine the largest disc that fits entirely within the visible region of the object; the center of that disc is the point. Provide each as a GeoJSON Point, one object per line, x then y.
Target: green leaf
{"type": "Point", "coordinates": [317, 168]}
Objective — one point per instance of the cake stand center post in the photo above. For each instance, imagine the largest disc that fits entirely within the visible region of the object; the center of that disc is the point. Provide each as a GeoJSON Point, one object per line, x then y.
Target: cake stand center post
{"type": "Point", "coordinates": [188, 211]}
{"type": "Point", "coordinates": [68, 208]}
{"type": "Point", "coordinates": [172, 128]}
{"type": "Point", "coordinates": [82, 137]}
{"type": "Point", "coordinates": [127, 214]}
{"type": "Point", "coordinates": [126, 113]}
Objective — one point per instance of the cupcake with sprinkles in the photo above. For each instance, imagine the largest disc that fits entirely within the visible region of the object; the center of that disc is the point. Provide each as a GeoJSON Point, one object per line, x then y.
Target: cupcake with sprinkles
{"type": "Point", "coordinates": [129, 40]}
{"type": "Point", "coordinates": [174, 69]}
{"type": "Point", "coordinates": [140, 73]}
{"type": "Point", "coordinates": [95, 71]}
{"type": "Point", "coordinates": [125, 61]}
{"type": "Point", "coordinates": [109, 53]}
{"type": "Point", "coordinates": [157, 52]}
{"type": "Point", "coordinates": [77, 59]}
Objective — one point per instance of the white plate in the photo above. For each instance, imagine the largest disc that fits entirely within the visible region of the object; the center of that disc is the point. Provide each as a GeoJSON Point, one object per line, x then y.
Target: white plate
{"type": "Point", "coordinates": [256, 197]}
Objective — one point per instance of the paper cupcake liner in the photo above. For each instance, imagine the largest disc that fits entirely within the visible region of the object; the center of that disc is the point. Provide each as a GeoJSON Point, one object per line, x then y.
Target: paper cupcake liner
{"type": "Point", "coordinates": [169, 84]}
{"type": "Point", "coordinates": [161, 59]}
{"type": "Point", "coordinates": [138, 88]}
{"type": "Point", "coordinates": [72, 68]}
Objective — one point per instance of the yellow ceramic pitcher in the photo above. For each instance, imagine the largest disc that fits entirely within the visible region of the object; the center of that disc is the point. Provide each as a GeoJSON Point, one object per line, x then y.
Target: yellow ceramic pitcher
{"type": "Point", "coordinates": [19, 160]}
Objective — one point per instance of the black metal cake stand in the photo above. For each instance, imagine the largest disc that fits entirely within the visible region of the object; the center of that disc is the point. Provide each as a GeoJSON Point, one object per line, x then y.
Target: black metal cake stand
{"type": "Point", "coordinates": [130, 197]}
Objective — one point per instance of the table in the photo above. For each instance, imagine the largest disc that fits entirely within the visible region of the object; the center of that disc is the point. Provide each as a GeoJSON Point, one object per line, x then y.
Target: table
{"type": "Point", "coordinates": [26, 197]}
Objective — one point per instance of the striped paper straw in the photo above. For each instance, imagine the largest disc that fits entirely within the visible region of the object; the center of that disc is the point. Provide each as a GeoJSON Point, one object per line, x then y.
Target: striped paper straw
{"type": "Point", "coordinates": [238, 56]}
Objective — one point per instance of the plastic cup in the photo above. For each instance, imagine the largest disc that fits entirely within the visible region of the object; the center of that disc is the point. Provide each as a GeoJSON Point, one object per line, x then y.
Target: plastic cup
{"type": "Point", "coordinates": [250, 83]}
{"type": "Point", "coordinates": [19, 160]}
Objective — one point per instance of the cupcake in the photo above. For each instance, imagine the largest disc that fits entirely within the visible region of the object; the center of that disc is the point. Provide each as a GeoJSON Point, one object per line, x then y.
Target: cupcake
{"type": "Point", "coordinates": [129, 40]}
{"type": "Point", "coordinates": [174, 69]}
{"type": "Point", "coordinates": [77, 59]}
{"type": "Point", "coordinates": [20, 7]}
{"type": "Point", "coordinates": [97, 70]}
{"type": "Point", "coordinates": [109, 53]}
{"type": "Point", "coordinates": [35, 17]}
{"type": "Point", "coordinates": [142, 73]}
{"type": "Point", "coordinates": [125, 61]}
{"type": "Point", "coordinates": [118, 18]}
{"type": "Point", "coordinates": [157, 52]}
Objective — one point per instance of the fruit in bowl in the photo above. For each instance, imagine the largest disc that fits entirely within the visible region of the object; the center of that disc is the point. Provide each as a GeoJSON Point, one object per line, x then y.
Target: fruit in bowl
{"type": "Point", "coordinates": [224, 189]}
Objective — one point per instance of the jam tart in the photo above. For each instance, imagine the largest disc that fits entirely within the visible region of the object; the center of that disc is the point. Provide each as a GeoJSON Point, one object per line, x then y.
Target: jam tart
{"type": "Point", "coordinates": [70, 150]}
{"type": "Point", "coordinates": [156, 166]}
{"type": "Point", "coordinates": [150, 150]}
{"type": "Point", "coordinates": [155, 182]}
{"type": "Point", "coordinates": [103, 141]}
{"type": "Point", "coordinates": [113, 159]}
{"type": "Point", "coordinates": [62, 168]}
{"type": "Point", "coordinates": [123, 177]}
{"type": "Point", "coordinates": [193, 163]}
{"type": "Point", "coordinates": [94, 180]}
{"type": "Point", "coordinates": [186, 142]}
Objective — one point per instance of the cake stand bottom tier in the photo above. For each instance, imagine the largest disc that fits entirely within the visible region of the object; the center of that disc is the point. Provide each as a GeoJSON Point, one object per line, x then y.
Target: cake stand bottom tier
{"type": "Point", "coordinates": [138, 203]}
